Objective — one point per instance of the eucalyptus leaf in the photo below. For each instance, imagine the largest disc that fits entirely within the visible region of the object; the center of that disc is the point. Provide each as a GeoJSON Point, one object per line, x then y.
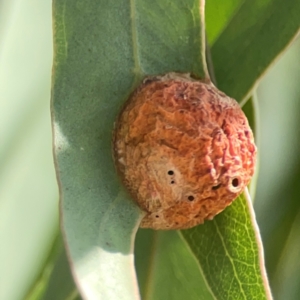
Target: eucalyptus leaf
{"type": "Point", "coordinates": [101, 54]}
{"type": "Point", "coordinates": [229, 252]}
{"type": "Point", "coordinates": [218, 14]}
{"type": "Point", "coordinates": [102, 51]}
{"type": "Point", "coordinates": [166, 268]}
{"type": "Point", "coordinates": [257, 34]}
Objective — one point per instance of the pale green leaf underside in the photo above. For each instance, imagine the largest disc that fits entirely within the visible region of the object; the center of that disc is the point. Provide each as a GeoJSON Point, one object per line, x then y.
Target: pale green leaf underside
{"type": "Point", "coordinates": [102, 51]}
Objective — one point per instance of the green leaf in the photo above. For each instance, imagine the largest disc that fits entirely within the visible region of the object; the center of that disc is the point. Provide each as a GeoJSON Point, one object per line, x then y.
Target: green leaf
{"type": "Point", "coordinates": [41, 283]}
{"type": "Point", "coordinates": [61, 284]}
{"type": "Point", "coordinates": [255, 37]}
{"type": "Point", "coordinates": [277, 202]}
{"type": "Point", "coordinates": [166, 268]}
{"type": "Point", "coordinates": [286, 277]}
{"type": "Point", "coordinates": [229, 252]}
{"type": "Point", "coordinates": [218, 14]}
{"type": "Point", "coordinates": [102, 51]}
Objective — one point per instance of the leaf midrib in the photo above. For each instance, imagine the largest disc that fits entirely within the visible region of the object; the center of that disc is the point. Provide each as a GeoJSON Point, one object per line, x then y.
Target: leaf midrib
{"type": "Point", "coordinates": [137, 69]}
{"type": "Point", "coordinates": [149, 280]}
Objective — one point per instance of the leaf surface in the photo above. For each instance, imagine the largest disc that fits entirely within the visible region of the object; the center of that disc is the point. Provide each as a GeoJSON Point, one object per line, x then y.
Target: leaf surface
{"type": "Point", "coordinates": [229, 252]}
{"type": "Point", "coordinates": [102, 51]}
{"type": "Point", "coordinates": [166, 268]}
{"type": "Point", "coordinates": [257, 34]}
{"type": "Point", "coordinates": [218, 14]}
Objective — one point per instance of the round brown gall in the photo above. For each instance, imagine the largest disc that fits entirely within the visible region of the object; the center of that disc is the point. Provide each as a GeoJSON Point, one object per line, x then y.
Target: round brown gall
{"type": "Point", "coordinates": [184, 150]}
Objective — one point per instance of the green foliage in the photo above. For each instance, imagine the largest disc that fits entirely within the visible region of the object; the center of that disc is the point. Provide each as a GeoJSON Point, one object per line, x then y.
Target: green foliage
{"type": "Point", "coordinates": [240, 55]}
{"type": "Point", "coordinates": [228, 253]}
{"type": "Point", "coordinates": [98, 218]}
{"type": "Point", "coordinates": [102, 51]}
{"type": "Point", "coordinates": [166, 269]}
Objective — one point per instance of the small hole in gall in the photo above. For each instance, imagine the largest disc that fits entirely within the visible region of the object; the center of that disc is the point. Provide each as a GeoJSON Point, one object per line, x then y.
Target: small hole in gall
{"type": "Point", "coordinates": [191, 198]}
{"type": "Point", "coordinates": [235, 182]}
{"type": "Point", "coordinates": [170, 172]}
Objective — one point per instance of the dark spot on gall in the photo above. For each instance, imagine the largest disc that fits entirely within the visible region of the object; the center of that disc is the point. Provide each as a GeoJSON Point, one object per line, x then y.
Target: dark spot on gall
{"type": "Point", "coordinates": [170, 172]}
{"type": "Point", "coordinates": [216, 187]}
{"type": "Point", "coordinates": [191, 198]}
{"type": "Point", "coordinates": [235, 182]}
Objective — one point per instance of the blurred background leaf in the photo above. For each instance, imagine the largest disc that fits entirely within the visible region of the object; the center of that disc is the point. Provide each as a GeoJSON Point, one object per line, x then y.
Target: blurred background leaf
{"type": "Point", "coordinates": [28, 188]}
{"type": "Point", "coordinates": [253, 38]}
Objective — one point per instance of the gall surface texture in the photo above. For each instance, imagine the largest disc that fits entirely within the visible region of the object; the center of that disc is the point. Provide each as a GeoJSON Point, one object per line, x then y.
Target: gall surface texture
{"type": "Point", "coordinates": [183, 149]}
